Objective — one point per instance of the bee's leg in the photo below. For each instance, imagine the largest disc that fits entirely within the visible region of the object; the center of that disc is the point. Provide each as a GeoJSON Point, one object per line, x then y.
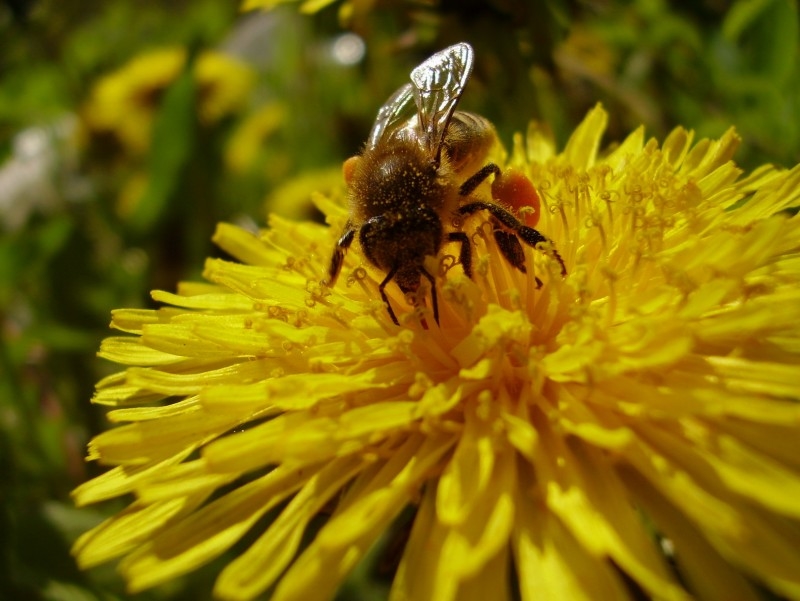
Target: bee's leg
{"type": "Point", "coordinates": [529, 236]}
{"type": "Point", "coordinates": [338, 253]}
{"type": "Point", "coordinates": [473, 182]}
{"type": "Point", "coordinates": [381, 289]}
{"type": "Point", "coordinates": [434, 300]}
{"type": "Point", "coordinates": [511, 248]}
{"type": "Point", "coordinates": [465, 254]}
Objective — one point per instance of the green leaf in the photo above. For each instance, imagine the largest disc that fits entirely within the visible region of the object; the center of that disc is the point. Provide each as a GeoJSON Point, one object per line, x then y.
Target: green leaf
{"type": "Point", "coordinates": [741, 16]}
{"type": "Point", "coordinates": [173, 138]}
{"type": "Point", "coordinates": [768, 35]}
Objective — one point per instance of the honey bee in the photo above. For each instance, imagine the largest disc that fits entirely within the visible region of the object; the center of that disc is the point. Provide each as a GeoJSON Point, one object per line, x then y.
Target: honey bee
{"type": "Point", "coordinates": [419, 171]}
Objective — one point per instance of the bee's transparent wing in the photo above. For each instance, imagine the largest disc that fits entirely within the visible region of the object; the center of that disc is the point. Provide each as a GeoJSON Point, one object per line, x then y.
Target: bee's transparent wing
{"type": "Point", "coordinates": [390, 114]}
{"type": "Point", "coordinates": [438, 84]}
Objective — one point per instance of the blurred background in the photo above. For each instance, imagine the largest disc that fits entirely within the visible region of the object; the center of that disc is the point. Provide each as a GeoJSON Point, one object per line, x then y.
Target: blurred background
{"type": "Point", "coordinates": [129, 129]}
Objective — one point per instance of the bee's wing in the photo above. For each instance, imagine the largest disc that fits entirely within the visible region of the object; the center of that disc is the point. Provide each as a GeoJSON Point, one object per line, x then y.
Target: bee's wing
{"type": "Point", "coordinates": [438, 84]}
{"type": "Point", "coordinates": [390, 114]}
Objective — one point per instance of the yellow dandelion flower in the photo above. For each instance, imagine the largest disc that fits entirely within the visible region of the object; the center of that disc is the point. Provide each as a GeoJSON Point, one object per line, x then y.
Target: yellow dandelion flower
{"type": "Point", "coordinates": [124, 103]}
{"type": "Point", "coordinates": [630, 429]}
{"type": "Point", "coordinates": [306, 6]}
{"type": "Point", "coordinates": [224, 85]}
{"type": "Point", "coordinates": [249, 137]}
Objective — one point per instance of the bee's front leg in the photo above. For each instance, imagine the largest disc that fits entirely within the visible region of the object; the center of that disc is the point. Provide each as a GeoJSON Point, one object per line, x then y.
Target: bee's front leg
{"type": "Point", "coordinates": [339, 252]}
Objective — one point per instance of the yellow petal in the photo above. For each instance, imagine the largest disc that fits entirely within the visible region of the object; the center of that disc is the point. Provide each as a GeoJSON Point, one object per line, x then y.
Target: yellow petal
{"type": "Point", "coordinates": [556, 565]}
{"type": "Point", "coordinates": [581, 149]}
{"type": "Point", "coordinates": [708, 574]}
{"type": "Point", "coordinates": [210, 530]}
{"type": "Point", "coordinates": [129, 528]}
{"type": "Point", "coordinates": [358, 521]}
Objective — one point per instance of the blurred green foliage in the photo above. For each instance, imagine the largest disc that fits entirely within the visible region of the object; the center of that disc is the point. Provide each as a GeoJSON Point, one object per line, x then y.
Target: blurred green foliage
{"type": "Point", "coordinates": [89, 224]}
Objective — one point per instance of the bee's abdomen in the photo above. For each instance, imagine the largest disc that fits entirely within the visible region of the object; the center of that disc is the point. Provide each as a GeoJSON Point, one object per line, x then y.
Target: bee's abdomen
{"type": "Point", "coordinates": [468, 141]}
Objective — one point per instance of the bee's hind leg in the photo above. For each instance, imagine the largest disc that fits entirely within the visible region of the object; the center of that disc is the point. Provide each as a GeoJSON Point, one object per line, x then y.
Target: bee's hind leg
{"type": "Point", "coordinates": [511, 250]}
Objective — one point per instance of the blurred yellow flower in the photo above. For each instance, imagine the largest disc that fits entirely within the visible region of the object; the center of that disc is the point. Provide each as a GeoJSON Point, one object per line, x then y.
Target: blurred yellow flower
{"type": "Point", "coordinates": [248, 139]}
{"type": "Point", "coordinates": [347, 9]}
{"type": "Point", "coordinates": [294, 199]}
{"type": "Point", "coordinates": [224, 84]}
{"type": "Point", "coordinates": [306, 6]}
{"type": "Point", "coordinates": [628, 430]}
{"type": "Point", "coordinates": [124, 103]}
